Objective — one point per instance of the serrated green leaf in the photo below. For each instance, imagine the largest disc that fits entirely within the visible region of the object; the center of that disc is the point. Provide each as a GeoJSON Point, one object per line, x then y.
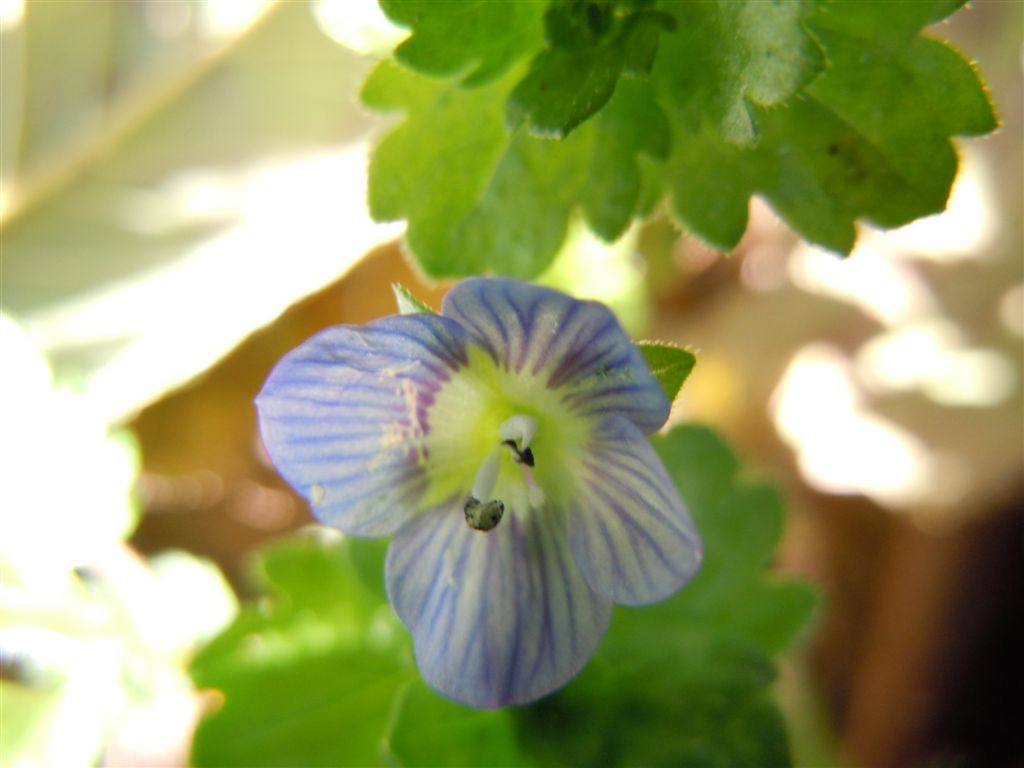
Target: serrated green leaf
{"type": "Point", "coordinates": [407, 303]}
{"type": "Point", "coordinates": [887, 24]}
{"type": "Point", "coordinates": [686, 681]}
{"type": "Point", "coordinates": [739, 92]}
{"type": "Point", "coordinates": [856, 145]}
{"type": "Point", "coordinates": [479, 200]}
{"type": "Point", "coordinates": [669, 364]}
{"type": "Point", "coordinates": [431, 731]}
{"type": "Point", "coordinates": [323, 652]}
{"type": "Point", "coordinates": [477, 40]}
{"type": "Point", "coordinates": [869, 92]}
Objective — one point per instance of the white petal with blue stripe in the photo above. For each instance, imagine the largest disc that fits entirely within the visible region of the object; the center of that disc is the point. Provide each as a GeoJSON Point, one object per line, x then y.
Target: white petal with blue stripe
{"type": "Point", "coordinates": [498, 618]}
{"type": "Point", "coordinates": [630, 532]}
{"type": "Point", "coordinates": [344, 417]}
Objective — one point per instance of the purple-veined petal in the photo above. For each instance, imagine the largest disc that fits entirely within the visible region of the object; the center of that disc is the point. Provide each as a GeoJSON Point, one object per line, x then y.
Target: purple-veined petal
{"type": "Point", "coordinates": [344, 417]}
{"type": "Point", "coordinates": [630, 532]}
{"type": "Point", "coordinates": [577, 347]}
{"type": "Point", "coordinates": [498, 618]}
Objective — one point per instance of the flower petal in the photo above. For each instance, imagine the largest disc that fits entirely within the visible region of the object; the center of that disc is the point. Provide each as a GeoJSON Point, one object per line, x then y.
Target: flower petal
{"type": "Point", "coordinates": [577, 346]}
{"type": "Point", "coordinates": [630, 533]}
{"type": "Point", "coordinates": [498, 618]}
{"type": "Point", "coordinates": [344, 417]}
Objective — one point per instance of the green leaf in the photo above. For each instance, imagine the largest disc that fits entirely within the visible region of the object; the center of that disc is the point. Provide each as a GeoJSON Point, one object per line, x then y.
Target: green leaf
{"type": "Point", "coordinates": [476, 40]}
{"type": "Point", "coordinates": [728, 57]}
{"type": "Point", "coordinates": [319, 672]}
{"type": "Point", "coordinates": [309, 675]}
{"type": "Point", "coordinates": [430, 731]}
{"type": "Point", "coordinates": [903, 19]}
{"type": "Point", "coordinates": [686, 681]}
{"type": "Point", "coordinates": [834, 112]}
{"type": "Point", "coordinates": [740, 522]}
{"type": "Point", "coordinates": [644, 717]}
{"type": "Point", "coordinates": [506, 200]}
{"type": "Point", "coordinates": [870, 93]}
{"type": "Point", "coordinates": [563, 89]}
{"type": "Point", "coordinates": [669, 364]}
{"type": "Point", "coordinates": [590, 47]}
{"type": "Point", "coordinates": [630, 129]}
{"type": "Point", "coordinates": [868, 139]}
{"type": "Point", "coordinates": [407, 303]}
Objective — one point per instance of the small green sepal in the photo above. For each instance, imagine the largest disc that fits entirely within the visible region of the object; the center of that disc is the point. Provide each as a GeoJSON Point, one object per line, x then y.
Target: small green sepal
{"type": "Point", "coordinates": [669, 364]}
{"type": "Point", "coordinates": [407, 303]}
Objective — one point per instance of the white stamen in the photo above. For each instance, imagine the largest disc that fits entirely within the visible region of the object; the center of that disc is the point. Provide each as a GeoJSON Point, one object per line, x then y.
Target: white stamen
{"type": "Point", "coordinates": [487, 475]}
{"type": "Point", "coordinates": [519, 428]}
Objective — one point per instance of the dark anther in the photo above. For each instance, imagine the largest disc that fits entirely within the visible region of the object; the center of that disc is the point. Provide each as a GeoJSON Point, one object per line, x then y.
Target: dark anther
{"type": "Point", "coordinates": [483, 515]}
{"type": "Point", "coordinates": [524, 456]}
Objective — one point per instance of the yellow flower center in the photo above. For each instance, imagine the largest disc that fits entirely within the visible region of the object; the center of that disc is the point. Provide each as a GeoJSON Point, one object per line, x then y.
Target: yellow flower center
{"type": "Point", "coordinates": [481, 425]}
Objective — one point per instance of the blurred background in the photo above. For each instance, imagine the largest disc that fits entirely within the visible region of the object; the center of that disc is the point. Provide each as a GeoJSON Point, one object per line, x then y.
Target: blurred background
{"type": "Point", "coordinates": [182, 194]}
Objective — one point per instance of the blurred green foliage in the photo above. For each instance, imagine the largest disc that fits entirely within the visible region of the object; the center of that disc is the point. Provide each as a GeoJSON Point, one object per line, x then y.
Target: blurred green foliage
{"type": "Point", "coordinates": [319, 672]}
{"type": "Point", "coordinates": [310, 673]}
{"type": "Point", "coordinates": [430, 731]}
{"type": "Point", "coordinates": [91, 635]}
{"type": "Point", "coordinates": [686, 681]}
{"type": "Point", "coordinates": [114, 116]}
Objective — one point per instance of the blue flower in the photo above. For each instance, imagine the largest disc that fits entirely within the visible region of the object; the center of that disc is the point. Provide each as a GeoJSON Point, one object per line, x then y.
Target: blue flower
{"type": "Point", "coordinates": [504, 444]}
